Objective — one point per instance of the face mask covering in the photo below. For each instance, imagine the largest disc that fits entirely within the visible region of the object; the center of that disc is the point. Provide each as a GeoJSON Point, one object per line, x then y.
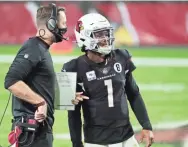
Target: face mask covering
{"type": "Point", "coordinates": [59, 34]}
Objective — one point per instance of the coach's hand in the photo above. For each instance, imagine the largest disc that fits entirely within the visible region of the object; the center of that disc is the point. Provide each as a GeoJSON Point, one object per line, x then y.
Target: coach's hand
{"type": "Point", "coordinates": [79, 97]}
{"type": "Point", "coordinates": [41, 113]}
{"type": "Point", "coordinates": [148, 136]}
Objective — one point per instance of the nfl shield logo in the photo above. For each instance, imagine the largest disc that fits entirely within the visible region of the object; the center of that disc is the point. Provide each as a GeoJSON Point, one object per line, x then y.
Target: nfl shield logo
{"type": "Point", "coordinates": [105, 71]}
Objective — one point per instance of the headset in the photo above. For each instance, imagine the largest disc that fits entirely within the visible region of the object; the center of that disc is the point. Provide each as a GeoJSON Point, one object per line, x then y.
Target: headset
{"type": "Point", "coordinates": [51, 23]}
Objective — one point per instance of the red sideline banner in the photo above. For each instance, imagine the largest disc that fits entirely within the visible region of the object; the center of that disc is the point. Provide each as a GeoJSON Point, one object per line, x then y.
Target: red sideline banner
{"type": "Point", "coordinates": [135, 23]}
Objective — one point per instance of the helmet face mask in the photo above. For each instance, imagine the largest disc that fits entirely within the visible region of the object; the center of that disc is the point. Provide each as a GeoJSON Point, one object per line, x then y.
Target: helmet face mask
{"type": "Point", "coordinates": [95, 34]}
{"type": "Point", "coordinates": [104, 39]}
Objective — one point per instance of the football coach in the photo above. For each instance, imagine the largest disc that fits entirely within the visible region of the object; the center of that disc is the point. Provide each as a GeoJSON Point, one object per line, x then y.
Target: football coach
{"type": "Point", "coordinates": [31, 80]}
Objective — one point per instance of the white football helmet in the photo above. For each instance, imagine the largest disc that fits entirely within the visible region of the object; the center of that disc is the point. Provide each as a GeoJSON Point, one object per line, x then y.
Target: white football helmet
{"type": "Point", "coordinates": [94, 32]}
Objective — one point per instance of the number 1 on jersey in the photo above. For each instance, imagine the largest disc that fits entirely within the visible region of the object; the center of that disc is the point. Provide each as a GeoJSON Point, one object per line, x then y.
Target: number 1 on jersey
{"type": "Point", "coordinates": [108, 83]}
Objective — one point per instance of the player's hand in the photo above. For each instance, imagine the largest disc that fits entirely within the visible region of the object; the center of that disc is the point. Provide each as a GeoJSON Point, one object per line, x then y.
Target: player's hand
{"type": "Point", "coordinates": [79, 97]}
{"type": "Point", "coordinates": [41, 113]}
{"type": "Point", "coordinates": [148, 136]}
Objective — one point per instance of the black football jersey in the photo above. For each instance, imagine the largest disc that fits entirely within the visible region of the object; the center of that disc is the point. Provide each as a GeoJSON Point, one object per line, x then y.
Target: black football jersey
{"type": "Point", "coordinates": [106, 116]}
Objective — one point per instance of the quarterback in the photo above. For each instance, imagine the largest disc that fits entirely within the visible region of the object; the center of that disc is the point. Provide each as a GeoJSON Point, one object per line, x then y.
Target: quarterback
{"type": "Point", "coordinates": [104, 74]}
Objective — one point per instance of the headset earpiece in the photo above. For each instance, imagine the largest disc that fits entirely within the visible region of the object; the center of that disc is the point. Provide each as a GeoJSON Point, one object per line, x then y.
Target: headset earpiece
{"type": "Point", "coordinates": [51, 24]}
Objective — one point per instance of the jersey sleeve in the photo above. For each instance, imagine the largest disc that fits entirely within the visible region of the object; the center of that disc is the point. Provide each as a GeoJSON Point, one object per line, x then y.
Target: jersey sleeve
{"type": "Point", "coordinates": [75, 126]}
{"type": "Point", "coordinates": [26, 59]}
{"type": "Point", "coordinates": [74, 117]}
{"type": "Point", "coordinates": [71, 66]}
{"type": "Point", "coordinates": [131, 65]}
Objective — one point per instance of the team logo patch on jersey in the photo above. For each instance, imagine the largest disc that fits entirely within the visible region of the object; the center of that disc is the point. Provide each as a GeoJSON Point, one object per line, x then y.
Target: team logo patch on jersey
{"type": "Point", "coordinates": [91, 75]}
{"type": "Point", "coordinates": [117, 67]}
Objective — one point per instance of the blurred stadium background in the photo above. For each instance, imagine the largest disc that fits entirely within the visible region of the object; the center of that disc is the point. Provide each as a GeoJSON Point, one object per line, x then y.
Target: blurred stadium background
{"type": "Point", "coordinates": [155, 33]}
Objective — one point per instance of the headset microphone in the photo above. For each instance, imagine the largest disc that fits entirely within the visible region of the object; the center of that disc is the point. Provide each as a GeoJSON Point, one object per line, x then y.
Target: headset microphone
{"type": "Point", "coordinates": [52, 26]}
{"type": "Point", "coordinates": [63, 38]}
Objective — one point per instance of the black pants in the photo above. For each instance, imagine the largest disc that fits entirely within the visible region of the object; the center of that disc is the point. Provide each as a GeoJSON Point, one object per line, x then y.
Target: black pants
{"type": "Point", "coordinates": [42, 138]}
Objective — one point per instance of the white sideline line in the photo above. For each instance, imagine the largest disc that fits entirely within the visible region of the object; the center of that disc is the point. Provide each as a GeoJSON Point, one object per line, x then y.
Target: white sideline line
{"type": "Point", "coordinates": [163, 126]}
{"type": "Point", "coordinates": [160, 62]}
{"type": "Point", "coordinates": [172, 87]}
{"type": "Point", "coordinates": [175, 62]}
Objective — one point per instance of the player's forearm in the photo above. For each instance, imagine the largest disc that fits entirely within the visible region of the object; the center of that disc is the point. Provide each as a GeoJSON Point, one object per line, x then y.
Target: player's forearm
{"type": "Point", "coordinates": [137, 103]}
{"type": "Point", "coordinates": [22, 91]}
{"type": "Point", "coordinates": [139, 109]}
{"type": "Point", "coordinates": [75, 126]}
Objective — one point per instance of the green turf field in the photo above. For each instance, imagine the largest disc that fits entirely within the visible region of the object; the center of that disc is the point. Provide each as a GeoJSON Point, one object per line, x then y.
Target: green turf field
{"type": "Point", "coordinates": [169, 106]}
